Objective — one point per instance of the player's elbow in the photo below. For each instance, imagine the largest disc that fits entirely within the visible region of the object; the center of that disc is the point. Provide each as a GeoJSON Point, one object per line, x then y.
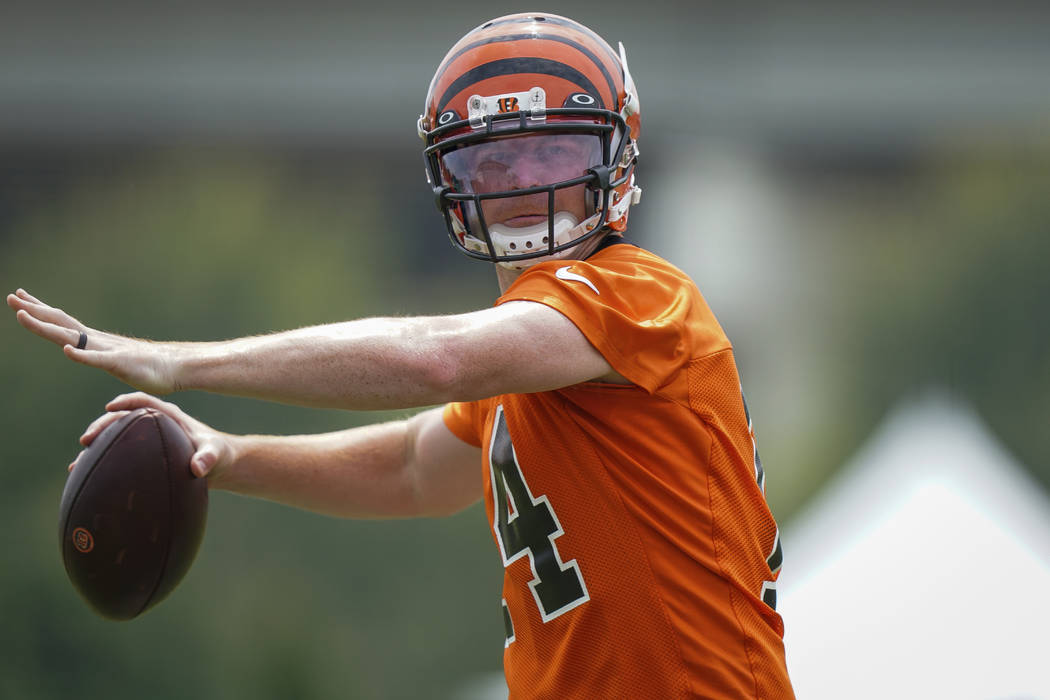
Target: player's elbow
{"type": "Point", "coordinates": [453, 363]}
{"type": "Point", "coordinates": [440, 377]}
{"type": "Point", "coordinates": [440, 369]}
{"type": "Point", "coordinates": [452, 371]}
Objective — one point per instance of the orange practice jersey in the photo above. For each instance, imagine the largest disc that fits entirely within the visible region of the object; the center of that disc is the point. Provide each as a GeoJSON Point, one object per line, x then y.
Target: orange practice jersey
{"type": "Point", "coordinates": [640, 555]}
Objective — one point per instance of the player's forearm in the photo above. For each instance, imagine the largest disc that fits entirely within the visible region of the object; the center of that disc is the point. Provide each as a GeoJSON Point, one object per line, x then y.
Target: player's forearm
{"type": "Point", "coordinates": [366, 364]}
{"type": "Point", "coordinates": [356, 473]}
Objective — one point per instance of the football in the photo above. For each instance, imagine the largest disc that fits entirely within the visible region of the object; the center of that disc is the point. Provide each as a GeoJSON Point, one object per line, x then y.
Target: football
{"type": "Point", "coordinates": [132, 515]}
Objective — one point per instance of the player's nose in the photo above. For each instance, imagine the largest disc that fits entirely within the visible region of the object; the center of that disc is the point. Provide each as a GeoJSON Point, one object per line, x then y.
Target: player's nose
{"type": "Point", "coordinates": [529, 172]}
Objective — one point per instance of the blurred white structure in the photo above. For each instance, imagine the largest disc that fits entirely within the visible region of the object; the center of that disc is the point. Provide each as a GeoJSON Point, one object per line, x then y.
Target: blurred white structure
{"type": "Point", "coordinates": [922, 571]}
{"type": "Point", "coordinates": [484, 686]}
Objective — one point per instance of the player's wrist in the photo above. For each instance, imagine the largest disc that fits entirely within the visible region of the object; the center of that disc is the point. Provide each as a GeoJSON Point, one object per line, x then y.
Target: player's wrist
{"type": "Point", "coordinates": [190, 366]}
{"type": "Point", "coordinates": [174, 370]}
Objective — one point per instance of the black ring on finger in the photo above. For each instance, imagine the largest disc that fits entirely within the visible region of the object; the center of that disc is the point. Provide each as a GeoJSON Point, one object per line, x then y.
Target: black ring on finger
{"type": "Point", "coordinates": [82, 343]}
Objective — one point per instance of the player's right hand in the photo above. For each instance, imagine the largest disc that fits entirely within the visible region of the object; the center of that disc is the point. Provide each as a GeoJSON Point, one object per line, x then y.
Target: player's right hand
{"type": "Point", "coordinates": [212, 449]}
{"type": "Point", "coordinates": [142, 364]}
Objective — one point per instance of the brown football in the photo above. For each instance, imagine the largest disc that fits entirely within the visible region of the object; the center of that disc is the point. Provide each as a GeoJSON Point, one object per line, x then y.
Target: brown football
{"type": "Point", "coordinates": [132, 515]}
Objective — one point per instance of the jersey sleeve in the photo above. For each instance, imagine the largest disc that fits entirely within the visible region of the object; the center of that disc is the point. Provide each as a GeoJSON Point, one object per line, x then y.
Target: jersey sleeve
{"type": "Point", "coordinates": [463, 419]}
{"type": "Point", "coordinates": [643, 315]}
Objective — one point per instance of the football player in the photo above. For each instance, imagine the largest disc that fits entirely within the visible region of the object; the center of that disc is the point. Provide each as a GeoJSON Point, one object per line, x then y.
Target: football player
{"type": "Point", "coordinates": [599, 396]}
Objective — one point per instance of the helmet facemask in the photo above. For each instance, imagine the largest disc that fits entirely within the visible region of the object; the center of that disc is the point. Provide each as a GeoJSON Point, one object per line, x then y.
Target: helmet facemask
{"type": "Point", "coordinates": [520, 188]}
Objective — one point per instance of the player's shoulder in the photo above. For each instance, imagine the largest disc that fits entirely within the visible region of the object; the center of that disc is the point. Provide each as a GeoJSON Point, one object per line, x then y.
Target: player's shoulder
{"type": "Point", "coordinates": [621, 253]}
{"type": "Point", "coordinates": [617, 262]}
{"type": "Point", "coordinates": [620, 277]}
{"type": "Point", "coordinates": [632, 271]}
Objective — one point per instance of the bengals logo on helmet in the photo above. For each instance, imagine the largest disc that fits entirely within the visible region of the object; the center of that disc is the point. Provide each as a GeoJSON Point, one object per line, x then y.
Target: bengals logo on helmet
{"type": "Point", "coordinates": [507, 104]}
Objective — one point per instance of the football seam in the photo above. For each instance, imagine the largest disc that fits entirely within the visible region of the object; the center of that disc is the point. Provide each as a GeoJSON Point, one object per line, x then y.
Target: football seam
{"type": "Point", "coordinates": [167, 549]}
{"type": "Point", "coordinates": [80, 490]}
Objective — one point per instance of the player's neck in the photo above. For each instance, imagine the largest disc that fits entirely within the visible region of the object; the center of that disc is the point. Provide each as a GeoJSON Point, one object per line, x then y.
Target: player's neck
{"type": "Point", "coordinates": [506, 277]}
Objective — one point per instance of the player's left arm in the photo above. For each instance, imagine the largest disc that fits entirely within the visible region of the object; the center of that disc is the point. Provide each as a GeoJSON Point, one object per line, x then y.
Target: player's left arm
{"type": "Point", "coordinates": [381, 363]}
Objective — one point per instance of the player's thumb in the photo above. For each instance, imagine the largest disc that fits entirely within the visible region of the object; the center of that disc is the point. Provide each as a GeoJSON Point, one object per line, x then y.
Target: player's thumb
{"type": "Point", "coordinates": [204, 460]}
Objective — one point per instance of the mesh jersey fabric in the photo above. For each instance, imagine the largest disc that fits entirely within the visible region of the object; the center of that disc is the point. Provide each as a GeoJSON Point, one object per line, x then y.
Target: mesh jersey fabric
{"type": "Point", "coordinates": [646, 580]}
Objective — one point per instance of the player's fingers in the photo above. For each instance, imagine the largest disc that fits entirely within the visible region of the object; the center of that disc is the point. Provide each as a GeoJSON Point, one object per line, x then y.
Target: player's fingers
{"type": "Point", "coordinates": [21, 295]}
{"type": "Point", "coordinates": [49, 331]}
{"type": "Point", "coordinates": [50, 314]}
{"type": "Point", "coordinates": [18, 303]}
{"type": "Point", "coordinates": [91, 358]}
{"type": "Point", "coordinates": [26, 295]}
{"type": "Point", "coordinates": [204, 460]}
{"type": "Point", "coordinates": [100, 424]}
{"type": "Point", "coordinates": [139, 399]}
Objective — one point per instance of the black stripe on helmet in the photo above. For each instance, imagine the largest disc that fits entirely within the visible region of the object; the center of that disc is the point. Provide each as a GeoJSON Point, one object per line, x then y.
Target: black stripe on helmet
{"type": "Point", "coordinates": [510, 66]}
{"type": "Point", "coordinates": [560, 21]}
{"type": "Point", "coordinates": [548, 37]}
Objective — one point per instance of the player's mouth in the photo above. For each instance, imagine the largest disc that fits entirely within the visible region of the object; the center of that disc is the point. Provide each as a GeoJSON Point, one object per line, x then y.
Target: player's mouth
{"type": "Point", "coordinates": [523, 220]}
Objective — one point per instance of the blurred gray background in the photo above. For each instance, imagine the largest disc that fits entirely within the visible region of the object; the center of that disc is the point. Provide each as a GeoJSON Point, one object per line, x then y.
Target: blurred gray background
{"type": "Point", "coordinates": [860, 191]}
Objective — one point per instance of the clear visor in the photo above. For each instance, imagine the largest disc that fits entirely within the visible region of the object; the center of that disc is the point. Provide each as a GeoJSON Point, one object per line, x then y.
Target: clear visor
{"type": "Point", "coordinates": [521, 161]}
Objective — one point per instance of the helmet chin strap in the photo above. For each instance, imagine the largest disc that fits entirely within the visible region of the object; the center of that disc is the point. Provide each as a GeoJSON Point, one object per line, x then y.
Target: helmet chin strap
{"type": "Point", "coordinates": [508, 241]}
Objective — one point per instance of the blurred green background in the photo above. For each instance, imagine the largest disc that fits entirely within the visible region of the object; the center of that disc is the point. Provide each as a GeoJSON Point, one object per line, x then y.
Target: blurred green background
{"type": "Point", "coordinates": [861, 193]}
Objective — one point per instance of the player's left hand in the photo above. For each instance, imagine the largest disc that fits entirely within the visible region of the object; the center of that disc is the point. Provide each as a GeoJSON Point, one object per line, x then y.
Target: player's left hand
{"type": "Point", "coordinates": [142, 364]}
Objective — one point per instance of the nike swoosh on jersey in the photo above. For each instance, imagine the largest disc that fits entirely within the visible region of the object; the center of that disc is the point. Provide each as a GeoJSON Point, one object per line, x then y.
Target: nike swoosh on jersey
{"type": "Point", "coordinates": [563, 273]}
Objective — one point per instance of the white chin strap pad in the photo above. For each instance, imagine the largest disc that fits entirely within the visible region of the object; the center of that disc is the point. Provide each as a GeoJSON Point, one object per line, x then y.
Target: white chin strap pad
{"type": "Point", "coordinates": [511, 241]}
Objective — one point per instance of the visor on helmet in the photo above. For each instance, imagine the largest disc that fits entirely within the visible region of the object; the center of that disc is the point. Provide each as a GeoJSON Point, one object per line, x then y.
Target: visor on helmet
{"type": "Point", "coordinates": [521, 161]}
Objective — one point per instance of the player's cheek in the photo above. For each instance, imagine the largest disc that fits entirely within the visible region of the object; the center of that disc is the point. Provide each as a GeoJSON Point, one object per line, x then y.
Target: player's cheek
{"type": "Point", "coordinates": [573, 200]}
{"type": "Point", "coordinates": [494, 210]}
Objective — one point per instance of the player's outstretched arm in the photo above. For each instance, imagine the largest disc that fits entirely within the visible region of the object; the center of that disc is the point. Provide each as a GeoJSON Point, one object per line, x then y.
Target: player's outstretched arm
{"type": "Point", "coordinates": [407, 468]}
{"type": "Point", "coordinates": [384, 363]}
{"type": "Point", "coordinates": [380, 363]}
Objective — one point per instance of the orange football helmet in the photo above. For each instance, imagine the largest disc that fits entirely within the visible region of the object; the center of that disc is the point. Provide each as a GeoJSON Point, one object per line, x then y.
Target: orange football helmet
{"type": "Point", "coordinates": [530, 128]}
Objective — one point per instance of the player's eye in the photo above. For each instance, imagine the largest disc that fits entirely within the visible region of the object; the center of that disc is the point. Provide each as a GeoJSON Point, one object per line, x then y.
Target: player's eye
{"type": "Point", "coordinates": [491, 176]}
{"type": "Point", "coordinates": [551, 152]}
{"type": "Point", "coordinates": [492, 167]}
{"type": "Point", "coordinates": [559, 155]}
{"type": "Point", "coordinates": [504, 157]}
